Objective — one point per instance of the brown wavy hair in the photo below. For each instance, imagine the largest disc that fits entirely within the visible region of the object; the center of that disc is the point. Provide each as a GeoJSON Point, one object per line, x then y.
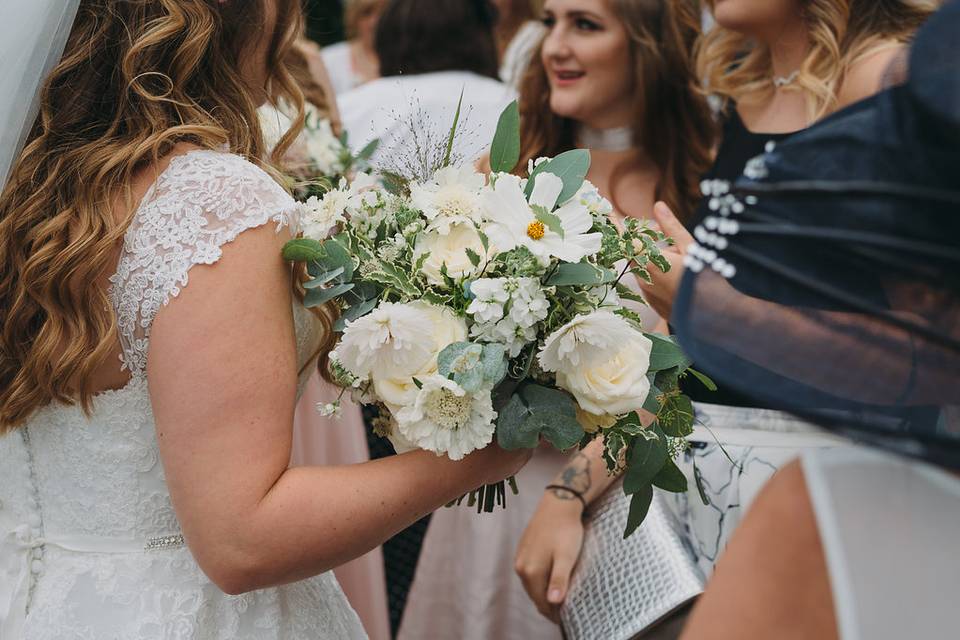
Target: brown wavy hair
{"type": "Point", "coordinates": [137, 77]}
{"type": "Point", "coordinates": [841, 33]}
{"type": "Point", "coordinates": [672, 121]}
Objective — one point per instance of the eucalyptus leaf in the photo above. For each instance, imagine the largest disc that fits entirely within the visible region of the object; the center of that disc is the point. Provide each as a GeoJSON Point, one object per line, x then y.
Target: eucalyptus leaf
{"type": "Point", "coordinates": [355, 312]}
{"type": "Point", "coordinates": [459, 357]}
{"type": "Point", "coordinates": [639, 507]}
{"type": "Point", "coordinates": [513, 432]}
{"type": "Point", "coordinates": [505, 150]}
{"type": "Point", "coordinates": [494, 363]}
{"type": "Point", "coordinates": [571, 167]}
{"type": "Point", "coordinates": [302, 250]}
{"type": "Point", "coordinates": [317, 297]}
{"type": "Point", "coordinates": [670, 478]}
{"type": "Point", "coordinates": [336, 254]}
{"type": "Point", "coordinates": [580, 274]}
{"type": "Point", "coordinates": [652, 402]}
{"type": "Point", "coordinates": [323, 279]}
{"type": "Point", "coordinates": [553, 415]}
{"type": "Point", "coordinates": [648, 457]}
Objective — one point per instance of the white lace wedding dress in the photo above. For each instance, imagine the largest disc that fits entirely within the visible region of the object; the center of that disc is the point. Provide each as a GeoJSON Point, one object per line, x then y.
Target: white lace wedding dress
{"type": "Point", "coordinates": [90, 546]}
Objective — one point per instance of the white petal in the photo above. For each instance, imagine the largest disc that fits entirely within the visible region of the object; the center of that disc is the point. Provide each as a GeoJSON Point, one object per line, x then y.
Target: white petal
{"type": "Point", "coordinates": [574, 217]}
{"type": "Point", "coordinates": [546, 190]}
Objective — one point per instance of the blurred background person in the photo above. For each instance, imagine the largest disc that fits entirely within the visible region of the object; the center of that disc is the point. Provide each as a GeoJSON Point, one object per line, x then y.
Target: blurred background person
{"type": "Point", "coordinates": [519, 31]}
{"type": "Point", "coordinates": [354, 61]}
{"type": "Point", "coordinates": [431, 52]}
{"type": "Point", "coordinates": [615, 77]}
{"type": "Point", "coordinates": [806, 59]}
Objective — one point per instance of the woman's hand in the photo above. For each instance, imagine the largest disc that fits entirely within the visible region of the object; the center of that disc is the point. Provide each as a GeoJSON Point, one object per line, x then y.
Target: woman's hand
{"type": "Point", "coordinates": [663, 291]}
{"type": "Point", "coordinates": [549, 549]}
{"type": "Point", "coordinates": [495, 463]}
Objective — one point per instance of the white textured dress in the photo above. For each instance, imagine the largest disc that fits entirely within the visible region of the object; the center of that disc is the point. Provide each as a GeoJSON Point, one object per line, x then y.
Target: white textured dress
{"type": "Point", "coordinates": [90, 546]}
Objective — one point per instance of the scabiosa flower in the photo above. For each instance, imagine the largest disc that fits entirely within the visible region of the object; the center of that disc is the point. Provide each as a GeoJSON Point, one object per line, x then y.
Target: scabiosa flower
{"type": "Point", "coordinates": [447, 420]}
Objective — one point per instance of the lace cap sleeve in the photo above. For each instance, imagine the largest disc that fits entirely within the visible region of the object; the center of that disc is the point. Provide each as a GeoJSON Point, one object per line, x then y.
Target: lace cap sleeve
{"type": "Point", "coordinates": [202, 201]}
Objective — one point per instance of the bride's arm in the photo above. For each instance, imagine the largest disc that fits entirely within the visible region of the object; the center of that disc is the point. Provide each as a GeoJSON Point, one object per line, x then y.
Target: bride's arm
{"type": "Point", "coordinates": [222, 377]}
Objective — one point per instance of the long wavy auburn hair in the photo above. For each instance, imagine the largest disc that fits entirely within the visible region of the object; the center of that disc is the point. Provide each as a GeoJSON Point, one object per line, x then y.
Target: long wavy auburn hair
{"type": "Point", "coordinates": [841, 33]}
{"type": "Point", "coordinates": [137, 77]}
{"type": "Point", "coordinates": [672, 121]}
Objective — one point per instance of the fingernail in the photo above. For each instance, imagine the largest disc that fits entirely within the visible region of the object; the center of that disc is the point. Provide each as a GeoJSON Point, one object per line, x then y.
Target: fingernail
{"type": "Point", "coordinates": [555, 595]}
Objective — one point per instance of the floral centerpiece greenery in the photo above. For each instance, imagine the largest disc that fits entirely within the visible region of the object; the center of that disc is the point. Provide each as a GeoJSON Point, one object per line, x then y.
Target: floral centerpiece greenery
{"type": "Point", "coordinates": [475, 307]}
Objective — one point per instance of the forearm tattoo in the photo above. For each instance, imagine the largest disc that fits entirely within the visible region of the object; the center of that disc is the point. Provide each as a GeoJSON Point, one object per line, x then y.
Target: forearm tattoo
{"type": "Point", "coordinates": [576, 476]}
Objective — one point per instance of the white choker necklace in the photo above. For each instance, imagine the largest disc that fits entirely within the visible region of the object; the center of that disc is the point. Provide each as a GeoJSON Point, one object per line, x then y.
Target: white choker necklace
{"type": "Point", "coordinates": [782, 81]}
{"type": "Point", "coordinates": [616, 139]}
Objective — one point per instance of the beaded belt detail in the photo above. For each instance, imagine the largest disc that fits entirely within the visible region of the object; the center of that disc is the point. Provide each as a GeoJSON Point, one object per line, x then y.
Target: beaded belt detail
{"type": "Point", "coordinates": [164, 542]}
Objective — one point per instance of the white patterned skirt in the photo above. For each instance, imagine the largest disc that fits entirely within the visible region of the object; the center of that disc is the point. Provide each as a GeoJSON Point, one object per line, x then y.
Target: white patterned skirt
{"type": "Point", "coordinates": [734, 452]}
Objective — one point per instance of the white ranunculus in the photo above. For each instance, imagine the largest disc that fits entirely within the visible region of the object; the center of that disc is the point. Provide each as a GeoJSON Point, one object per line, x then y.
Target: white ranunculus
{"type": "Point", "coordinates": [393, 340]}
{"type": "Point", "coordinates": [513, 221]}
{"type": "Point", "coordinates": [447, 420]}
{"type": "Point", "coordinates": [397, 389]}
{"type": "Point", "coordinates": [449, 249]}
{"type": "Point", "coordinates": [319, 215]}
{"type": "Point", "coordinates": [450, 197]}
{"type": "Point", "coordinates": [602, 360]}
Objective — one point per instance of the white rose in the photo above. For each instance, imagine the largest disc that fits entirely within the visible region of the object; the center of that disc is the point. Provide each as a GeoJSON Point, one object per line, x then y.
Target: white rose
{"type": "Point", "coordinates": [449, 249]}
{"type": "Point", "coordinates": [602, 361]}
{"type": "Point", "coordinates": [397, 389]}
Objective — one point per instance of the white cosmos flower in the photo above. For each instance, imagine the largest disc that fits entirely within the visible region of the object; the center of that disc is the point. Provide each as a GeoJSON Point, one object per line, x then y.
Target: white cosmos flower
{"type": "Point", "coordinates": [602, 360]}
{"type": "Point", "coordinates": [447, 420]}
{"type": "Point", "coordinates": [451, 196]}
{"type": "Point", "coordinates": [393, 340]}
{"type": "Point", "coordinates": [513, 221]}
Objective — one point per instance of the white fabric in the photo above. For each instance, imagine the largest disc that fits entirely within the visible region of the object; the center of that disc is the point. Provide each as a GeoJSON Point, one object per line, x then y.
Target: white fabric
{"type": "Point", "coordinates": [520, 52]}
{"type": "Point", "coordinates": [339, 63]}
{"type": "Point", "coordinates": [889, 529]}
{"type": "Point", "coordinates": [81, 495]}
{"type": "Point", "coordinates": [402, 111]}
{"type": "Point", "coordinates": [736, 451]}
{"type": "Point", "coordinates": [32, 37]}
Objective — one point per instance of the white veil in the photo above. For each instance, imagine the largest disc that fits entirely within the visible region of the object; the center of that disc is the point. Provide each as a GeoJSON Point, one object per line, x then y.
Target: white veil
{"type": "Point", "coordinates": [33, 34]}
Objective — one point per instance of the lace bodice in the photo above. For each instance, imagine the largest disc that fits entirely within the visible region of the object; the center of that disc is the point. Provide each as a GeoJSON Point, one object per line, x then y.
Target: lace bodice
{"type": "Point", "coordinates": [89, 540]}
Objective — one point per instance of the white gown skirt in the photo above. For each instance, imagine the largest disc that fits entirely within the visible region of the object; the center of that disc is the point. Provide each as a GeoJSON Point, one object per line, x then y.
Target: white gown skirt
{"type": "Point", "coordinates": [890, 529]}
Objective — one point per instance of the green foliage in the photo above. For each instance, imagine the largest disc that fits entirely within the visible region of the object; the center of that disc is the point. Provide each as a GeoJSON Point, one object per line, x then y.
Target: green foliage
{"type": "Point", "coordinates": [647, 458]}
{"type": "Point", "coordinates": [676, 416]}
{"type": "Point", "coordinates": [666, 354]}
{"type": "Point", "coordinates": [571, 167]}
{"type": "Point", "coordinates": [505, 150]}
{"type": "Point", "coordinates": [580, 274]}
{"type": "Point", "coordinates": [537, 411]}
{"type": "Point", "coordinates": [302, 250]}
{"type": "Point", "coordinates": [670, 478]}
{"type": "Point", "coordinates": [639, 507]}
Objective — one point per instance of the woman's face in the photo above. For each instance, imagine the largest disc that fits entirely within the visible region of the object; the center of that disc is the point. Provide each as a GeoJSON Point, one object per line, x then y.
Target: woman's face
{"type": "Point", "coordinates": [587, 57]}
{"type": "Point", "coordinates": [762, 19]}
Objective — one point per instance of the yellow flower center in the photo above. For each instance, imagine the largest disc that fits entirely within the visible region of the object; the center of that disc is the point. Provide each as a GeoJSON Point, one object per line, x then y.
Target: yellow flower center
{"type": "Point", "coordinates": [536, 229]}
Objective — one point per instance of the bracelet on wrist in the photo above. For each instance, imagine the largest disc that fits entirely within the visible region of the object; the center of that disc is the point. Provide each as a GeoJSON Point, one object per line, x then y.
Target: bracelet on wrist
{"type": "Point", "coordinates": [576, 494]}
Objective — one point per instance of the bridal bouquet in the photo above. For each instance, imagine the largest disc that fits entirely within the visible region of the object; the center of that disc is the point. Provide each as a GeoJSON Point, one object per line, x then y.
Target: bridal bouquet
{"type": "Point", "coordinates": [479, 306]}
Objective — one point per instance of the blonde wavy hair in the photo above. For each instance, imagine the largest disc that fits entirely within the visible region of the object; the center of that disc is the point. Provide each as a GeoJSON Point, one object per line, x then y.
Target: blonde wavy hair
{"type": "Point", "coordinates": [841, 32]}
{"type": "Point", "coordinates": [137, 78]}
